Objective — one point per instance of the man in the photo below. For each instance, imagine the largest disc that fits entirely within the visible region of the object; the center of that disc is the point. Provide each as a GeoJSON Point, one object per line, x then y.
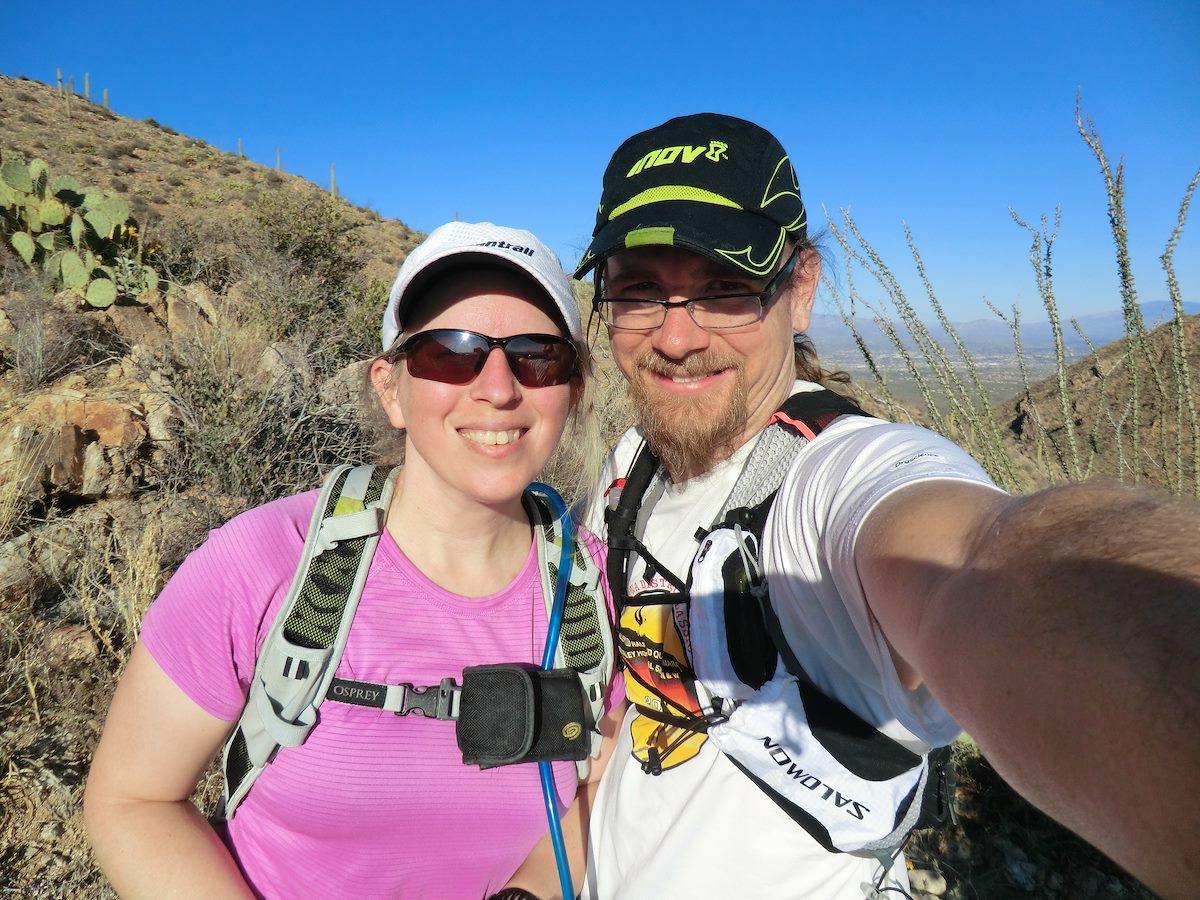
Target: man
{"type": "Point", "coordinates": [1061, 630]}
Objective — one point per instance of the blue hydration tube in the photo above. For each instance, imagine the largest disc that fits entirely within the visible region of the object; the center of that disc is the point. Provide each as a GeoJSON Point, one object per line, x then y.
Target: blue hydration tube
{"type": "Point", "coordinates": [555, 626]}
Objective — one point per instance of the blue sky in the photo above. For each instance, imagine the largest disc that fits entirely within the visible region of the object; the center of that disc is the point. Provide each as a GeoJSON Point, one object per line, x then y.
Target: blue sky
{"type": "Point", "coordinates": [940, 114]}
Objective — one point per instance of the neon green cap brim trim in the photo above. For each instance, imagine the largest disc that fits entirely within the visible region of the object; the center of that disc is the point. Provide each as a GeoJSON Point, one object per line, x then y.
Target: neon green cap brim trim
{"type": "Point", "coordinates": [669, 192]}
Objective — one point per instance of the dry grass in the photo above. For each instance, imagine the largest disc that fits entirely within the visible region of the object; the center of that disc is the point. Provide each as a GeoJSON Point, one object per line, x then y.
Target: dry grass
{"type": "Point", "coordinates": [116, 585]}
{"type": "Point", "coordinates": [19, 483]}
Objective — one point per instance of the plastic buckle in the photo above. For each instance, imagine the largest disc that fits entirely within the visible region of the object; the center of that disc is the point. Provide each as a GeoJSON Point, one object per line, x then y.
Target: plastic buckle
{"type": "Point", "coordinates": [720, 712]}
{"type": "Point", "coordinates": [433, 702]}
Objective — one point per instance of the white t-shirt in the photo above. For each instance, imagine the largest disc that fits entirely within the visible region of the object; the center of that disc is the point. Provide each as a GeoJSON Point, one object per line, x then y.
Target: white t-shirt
{"type": "Point", "coordinates": [701, 828]}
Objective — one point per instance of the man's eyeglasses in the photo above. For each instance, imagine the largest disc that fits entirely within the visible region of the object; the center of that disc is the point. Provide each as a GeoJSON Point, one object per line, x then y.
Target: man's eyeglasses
{"type": "Point", "coordinates": [715, 312]}
{"type": "Point", "coordinates": [455, 356]}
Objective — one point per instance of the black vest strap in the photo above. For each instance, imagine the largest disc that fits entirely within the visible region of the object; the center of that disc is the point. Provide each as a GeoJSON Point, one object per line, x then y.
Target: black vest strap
{"type": "Point", "coordinates": [621, 520]}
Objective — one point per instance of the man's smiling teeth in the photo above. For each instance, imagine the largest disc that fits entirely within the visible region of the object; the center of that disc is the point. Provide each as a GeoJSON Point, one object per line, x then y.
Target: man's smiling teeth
{"type": "Point", "coordinates": [686, 379]}
{"type": "Point", "coordinates": [491, 437]}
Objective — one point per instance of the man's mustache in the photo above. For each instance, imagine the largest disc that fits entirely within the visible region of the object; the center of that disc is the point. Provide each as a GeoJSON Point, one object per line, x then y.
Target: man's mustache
{"type": "Point", "coordinates": [705, 363]}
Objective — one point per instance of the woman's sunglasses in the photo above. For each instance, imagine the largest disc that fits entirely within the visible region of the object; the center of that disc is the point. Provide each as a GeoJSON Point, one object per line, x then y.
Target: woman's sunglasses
{"type": "Point", "coordinates": [454, 356]}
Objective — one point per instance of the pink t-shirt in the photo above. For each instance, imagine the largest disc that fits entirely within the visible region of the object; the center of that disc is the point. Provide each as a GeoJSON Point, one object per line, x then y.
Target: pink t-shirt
{"type": "Point", "coordinates": [372, 804]}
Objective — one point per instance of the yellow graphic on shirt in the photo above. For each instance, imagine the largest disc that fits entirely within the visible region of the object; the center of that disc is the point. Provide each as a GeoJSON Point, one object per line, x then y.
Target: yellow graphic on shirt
{"type": "Point", "coordinates": [658, 677]}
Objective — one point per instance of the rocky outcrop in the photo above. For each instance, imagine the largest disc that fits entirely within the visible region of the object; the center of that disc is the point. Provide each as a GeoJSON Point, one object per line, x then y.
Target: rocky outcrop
{"type": "Point", "coordinates": [90, 436]}
{"type": "Point", "coordinates": [75, 442]}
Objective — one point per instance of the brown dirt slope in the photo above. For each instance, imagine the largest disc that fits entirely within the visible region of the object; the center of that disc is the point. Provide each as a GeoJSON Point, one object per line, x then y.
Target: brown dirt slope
{"type": "Point", "coordinates": [1099, 393]}
{"type": "Point", "coordinates": [161, 173]}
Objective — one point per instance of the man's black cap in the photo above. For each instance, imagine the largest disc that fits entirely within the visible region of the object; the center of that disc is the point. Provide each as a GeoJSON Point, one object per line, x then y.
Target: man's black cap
{"type": "Point", "coordinates": [715, 184]}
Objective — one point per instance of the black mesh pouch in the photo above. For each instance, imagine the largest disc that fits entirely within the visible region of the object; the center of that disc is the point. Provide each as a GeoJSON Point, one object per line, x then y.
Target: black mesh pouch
{"type": "Point", "coordinates": [515, 713]}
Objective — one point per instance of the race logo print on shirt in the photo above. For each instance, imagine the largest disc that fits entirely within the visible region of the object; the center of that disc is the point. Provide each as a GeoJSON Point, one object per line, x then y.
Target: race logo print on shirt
{"type": "Point", "coordinates": [658, 677]}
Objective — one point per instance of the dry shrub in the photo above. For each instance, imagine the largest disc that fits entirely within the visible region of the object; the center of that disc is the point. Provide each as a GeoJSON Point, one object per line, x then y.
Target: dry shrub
{"type": "Point", "coordinates": [319, 264]}
{"type": "Point", "coordinates": [201, 249]}
{"type": "Point", "coordinates": [296, 270]}
{"type": "Point", "coordinates": [310, 229]}
{"type": "Point", "coordinates": [253, 423]}
{"type": "Point", "coordinates": [118, 149]}
{"type": "Point", "coordinates": [50, 341]}
{"type": "Point", "coordinates": [18, 278]}
{"type": "Point", "coordinates": [362, 311]}
{"type": "Point", "coordinates": [605, 412]}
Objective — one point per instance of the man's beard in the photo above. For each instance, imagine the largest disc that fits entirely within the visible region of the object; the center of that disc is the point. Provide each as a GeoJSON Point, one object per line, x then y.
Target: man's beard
{"type": "Point", "coordinates": [688, 436]}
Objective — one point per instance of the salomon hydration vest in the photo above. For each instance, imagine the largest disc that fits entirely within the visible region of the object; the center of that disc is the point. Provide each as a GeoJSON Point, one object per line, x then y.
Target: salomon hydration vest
{"type": "Point", "coordinates": [852, 788]}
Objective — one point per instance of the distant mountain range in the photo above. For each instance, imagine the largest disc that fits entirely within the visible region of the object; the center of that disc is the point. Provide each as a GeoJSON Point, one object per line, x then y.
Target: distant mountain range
{"type": "Point", "coordinates": [991, 336]}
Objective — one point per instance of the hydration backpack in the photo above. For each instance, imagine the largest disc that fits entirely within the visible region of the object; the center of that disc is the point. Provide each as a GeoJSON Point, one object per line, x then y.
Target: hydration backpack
{"type": "Point", "coordinates": [504, 714]}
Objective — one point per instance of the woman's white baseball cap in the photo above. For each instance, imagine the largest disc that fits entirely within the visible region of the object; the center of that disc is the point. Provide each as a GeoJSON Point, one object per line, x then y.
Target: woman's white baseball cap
{"type": "Point", "coordinates": [456, 243]}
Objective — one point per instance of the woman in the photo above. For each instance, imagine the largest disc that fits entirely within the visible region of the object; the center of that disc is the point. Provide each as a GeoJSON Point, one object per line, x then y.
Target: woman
{"type": "Point", "coordinates": [371, 804]}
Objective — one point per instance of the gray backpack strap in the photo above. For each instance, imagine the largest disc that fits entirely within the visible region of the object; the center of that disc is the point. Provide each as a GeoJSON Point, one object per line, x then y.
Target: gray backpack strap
{"type": "Point", "coordinates": [586, 641]}
{"type": "Point", "coordinates": [500, 716]}
{"type": "Point", "coordinates": [764, 470]}
{"type": "Point", "coordinates": [300, 654]}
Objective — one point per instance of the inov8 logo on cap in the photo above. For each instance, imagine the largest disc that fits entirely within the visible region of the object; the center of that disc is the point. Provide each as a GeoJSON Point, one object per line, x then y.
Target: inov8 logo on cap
{"type": "Point", "coordinates": [667, 155]}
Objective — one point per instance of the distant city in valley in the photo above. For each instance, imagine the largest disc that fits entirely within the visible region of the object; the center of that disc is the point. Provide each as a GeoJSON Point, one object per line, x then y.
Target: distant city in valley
{"type": "Point", "coordinates": [989, 341]}
{"type": "Point", "coordinates": [999, 372]}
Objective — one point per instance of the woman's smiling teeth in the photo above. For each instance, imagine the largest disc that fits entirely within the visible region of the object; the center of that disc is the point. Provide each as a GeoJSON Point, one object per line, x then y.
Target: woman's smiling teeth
{"type": "Point", "coordinates": [491, 437]}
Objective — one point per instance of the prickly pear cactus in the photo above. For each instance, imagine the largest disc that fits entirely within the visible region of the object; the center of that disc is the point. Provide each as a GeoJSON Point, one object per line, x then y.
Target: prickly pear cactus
{"type": "Point", "coordinates": [84, 238]}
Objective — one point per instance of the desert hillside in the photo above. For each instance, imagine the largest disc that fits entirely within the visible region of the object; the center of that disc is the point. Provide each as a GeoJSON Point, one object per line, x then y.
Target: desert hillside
{"type": "Point", "coordinates": [167, 177]}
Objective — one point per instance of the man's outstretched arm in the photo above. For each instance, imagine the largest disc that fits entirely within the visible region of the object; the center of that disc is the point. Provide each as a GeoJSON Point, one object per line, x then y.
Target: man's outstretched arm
{"type": "Point", "coordinates": [1062, 630]}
